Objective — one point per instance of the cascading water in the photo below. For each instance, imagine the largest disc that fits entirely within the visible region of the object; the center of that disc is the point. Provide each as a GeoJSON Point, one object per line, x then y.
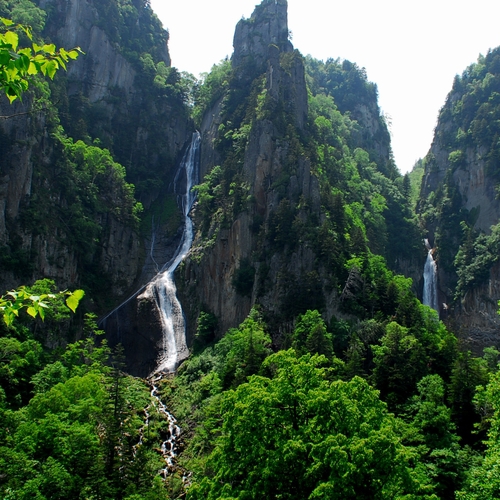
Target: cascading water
{"type": "Point", "coordinates": [162, 288]}
{"type": "Point", "coordinates": [163, 291]}
{"type": "Point", "coordinates": [153, 335]}
{"type": "Point", "coordinates": [430, 296]}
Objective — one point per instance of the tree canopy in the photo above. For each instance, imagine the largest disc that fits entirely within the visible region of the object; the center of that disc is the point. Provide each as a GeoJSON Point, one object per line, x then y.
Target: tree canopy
{"type": "Point", "coordinates": [300, 434]}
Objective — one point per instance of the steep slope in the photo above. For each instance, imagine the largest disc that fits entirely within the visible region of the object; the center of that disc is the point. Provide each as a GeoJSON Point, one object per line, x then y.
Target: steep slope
{"type": "Point", "coordinates": [300, 191]}
{"type": "Point", "coordinates": [459, 199]}
{"type": "Point", "coordinates": [68, 210]}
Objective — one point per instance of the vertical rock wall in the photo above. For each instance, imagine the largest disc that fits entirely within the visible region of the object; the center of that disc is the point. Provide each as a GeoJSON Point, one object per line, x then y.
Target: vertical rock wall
{"type": "Point", "coordinates": [27, 146]}
{"type": "Point", "coordinates": [261, 49]}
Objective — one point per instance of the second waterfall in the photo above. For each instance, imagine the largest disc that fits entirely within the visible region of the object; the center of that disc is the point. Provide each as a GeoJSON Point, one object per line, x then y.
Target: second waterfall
{"type": "Point", "coordinates": [162, 288]}
{"type": "Point", "coordinates": [430, 295]}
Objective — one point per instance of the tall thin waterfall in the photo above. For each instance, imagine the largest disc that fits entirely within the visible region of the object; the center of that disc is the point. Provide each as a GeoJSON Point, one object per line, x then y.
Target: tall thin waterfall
{"type": "Point", "coordinates": [430, 296]}
{"type": "Point", "coordinates": [162, 288]}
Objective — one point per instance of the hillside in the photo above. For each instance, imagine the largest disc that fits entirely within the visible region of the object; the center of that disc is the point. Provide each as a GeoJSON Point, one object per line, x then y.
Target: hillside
{"type": "Point", "coordinates": [459, 200]}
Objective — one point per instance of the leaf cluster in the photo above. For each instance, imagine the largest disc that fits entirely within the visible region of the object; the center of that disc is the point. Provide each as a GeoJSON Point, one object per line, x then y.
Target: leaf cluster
{"type": "Point", "coordinates": [35, 305]}
{"type": "Point", "coordinates": [72, 424]}
{"type": "Point", "coordinates": [18, 65]}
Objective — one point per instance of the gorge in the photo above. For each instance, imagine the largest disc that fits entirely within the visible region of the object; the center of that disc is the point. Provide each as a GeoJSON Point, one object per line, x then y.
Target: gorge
{"type": "Point", "coordinates": [262, 273]}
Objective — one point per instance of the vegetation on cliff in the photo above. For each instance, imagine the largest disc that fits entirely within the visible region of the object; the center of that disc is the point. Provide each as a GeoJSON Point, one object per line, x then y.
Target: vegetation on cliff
{"type": "Point", "coordinates": [467, 137]}
{"type": "Point", "coordinates": [90, 161]}
{"type": "Point", "coordinates": [305, 422]}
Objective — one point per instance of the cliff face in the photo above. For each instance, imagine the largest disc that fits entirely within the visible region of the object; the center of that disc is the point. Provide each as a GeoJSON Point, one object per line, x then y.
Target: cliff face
{"type": "Point", "coordinates": [475, 319]}
{"type": "Point", "coordinates": [75, 25]}
{"type": "Point", "coordinates": [459, 201]}
{"type": "Point", "coordinates": [261, 50]}
{"type": "Point", "coordinates": [123, 90]}
{"type": "Point", "coordinates": [475, 186]}
{"type": "Point", "coordinates": [260, 242]}
{"type": "Point", "coordinates": [255, 38]}
{"type": "Point", "coordinates": [105, 99]}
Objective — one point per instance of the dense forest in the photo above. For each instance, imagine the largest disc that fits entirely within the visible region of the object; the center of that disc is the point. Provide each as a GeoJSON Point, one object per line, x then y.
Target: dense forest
{"type": "Point", "coordinates": [315, 370]}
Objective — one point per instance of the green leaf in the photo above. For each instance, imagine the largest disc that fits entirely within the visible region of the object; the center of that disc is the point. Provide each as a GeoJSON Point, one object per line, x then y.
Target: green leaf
{"type": "Point", "coordinates": [51, 68]}
{"type": "Point", "coordinates": [4, 57]}
{"type": "Point", "coordinates": [8, 317]}
{"type": "Point", "coordinates": [74, 299]}
{"type": "Point", "coordinates": [49, 48]}
{"type": "Point", "coordinates": [32, 311]}
{"type": "Point", "coordinates": [6, 22]}
{"type": "Point", "coordinates": [61, 62]}
{"type": "Point", "coordinates": [12, 39]}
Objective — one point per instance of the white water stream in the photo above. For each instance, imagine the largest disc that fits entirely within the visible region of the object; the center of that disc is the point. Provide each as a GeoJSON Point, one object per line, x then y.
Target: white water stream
{"type": "Point", "coordinates": [162, 288]}
{"type": "Point", "coordinates": [163, 291]}
{"type": "Point", "coordinates": [430, 295]}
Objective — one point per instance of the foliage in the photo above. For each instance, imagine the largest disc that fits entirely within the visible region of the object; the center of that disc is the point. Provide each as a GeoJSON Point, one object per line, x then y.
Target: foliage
{"type": "Point", "coordinates": [399, 363]}
{"type": "Point", "coordinates": [244, 278]}
{"type": "Point", "coordinates": [310, 335]}
{"type": "Point", "coordinates": [134, 28]}
{"type": "Point", "coordinates": [211, 88]}
{"type": "Point", "coordinates": [298, 434]}
{"type": "Point", "coordinates": [483, 477]}
{"type": "Point", "coordinates": [71, 424]}
{"type": "Point", "coordinates": [95, 184]}
{"type": "Point", "coordinates": [432, 432]}
{"type": "Point", "coordinates": [415, 177]}
{"type": "Point", "coordinates": [35, 305]}
{"type": "Point", "coordinates": [475, 258]}
{"type": "Point", "coordinates": [243, 350]}
{"type": "Point", "coordinates": [19, 65]}
{"type": "Point", "coordinates": [206, 328]}
{"type": "Point", "coordinates": [468, 373]}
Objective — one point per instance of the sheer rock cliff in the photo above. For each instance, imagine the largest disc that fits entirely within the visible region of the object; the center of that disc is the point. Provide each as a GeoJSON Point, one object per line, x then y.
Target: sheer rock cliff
{"type": "Point", "coordinates": [460, 206]}
{"type": "Point", "coordinates": [262, 52]}
{"type": "Point", "coordinates": [102, 98]}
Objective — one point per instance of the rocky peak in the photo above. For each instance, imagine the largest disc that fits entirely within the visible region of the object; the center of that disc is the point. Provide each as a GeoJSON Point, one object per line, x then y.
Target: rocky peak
{"type": "Point", "coordinates": [266, 28]}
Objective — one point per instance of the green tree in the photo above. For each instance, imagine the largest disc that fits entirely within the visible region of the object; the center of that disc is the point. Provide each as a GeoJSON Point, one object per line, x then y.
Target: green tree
{"type": "Point", "coordinates": [58, 445]}
{"type": "Point", "coordinates": [242, 350]}
{"type": "Point", "coordinates": [399, 364]}
{"type": "Point", "coordinates": [468, 373]}
{"type": "Point", "coordinates": [298, 434]}
{"type": "Point", "coordinates": [310, 335]}
{"type": "Point", "coordinates": [432, 432]}
{"type": "Point", "coordinates": [483, 481]}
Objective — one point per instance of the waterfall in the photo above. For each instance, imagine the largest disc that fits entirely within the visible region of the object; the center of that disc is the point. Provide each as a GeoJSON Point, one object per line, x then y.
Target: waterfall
{"type": "Point", "coordinates": [161, 291]}
{"type": "Point", "coordinates": [430, 296]}
{"type": "Point", "coordinates": [162, 288]}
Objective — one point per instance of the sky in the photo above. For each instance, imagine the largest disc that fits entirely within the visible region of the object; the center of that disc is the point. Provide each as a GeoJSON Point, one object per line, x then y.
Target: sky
{"type": "Point", "coordinates": [411, 49]}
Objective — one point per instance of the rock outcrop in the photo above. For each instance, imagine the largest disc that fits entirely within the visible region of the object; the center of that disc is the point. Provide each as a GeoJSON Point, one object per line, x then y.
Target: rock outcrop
{"type": "Point", "coordinates": [262, 52]}
{"type": "Point", "coordinates": [459, 202]}
{"type": "Point", "coordinates": [102, 96]}
{"type": "Point", "coordinates": [475, 319]}
{"type": "Point", "coordinates": [255, 38]}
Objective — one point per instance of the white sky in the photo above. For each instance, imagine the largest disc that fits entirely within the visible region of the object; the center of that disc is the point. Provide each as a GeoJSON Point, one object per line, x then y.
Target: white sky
{"type": "Point", "coordinates": [411, 50]}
